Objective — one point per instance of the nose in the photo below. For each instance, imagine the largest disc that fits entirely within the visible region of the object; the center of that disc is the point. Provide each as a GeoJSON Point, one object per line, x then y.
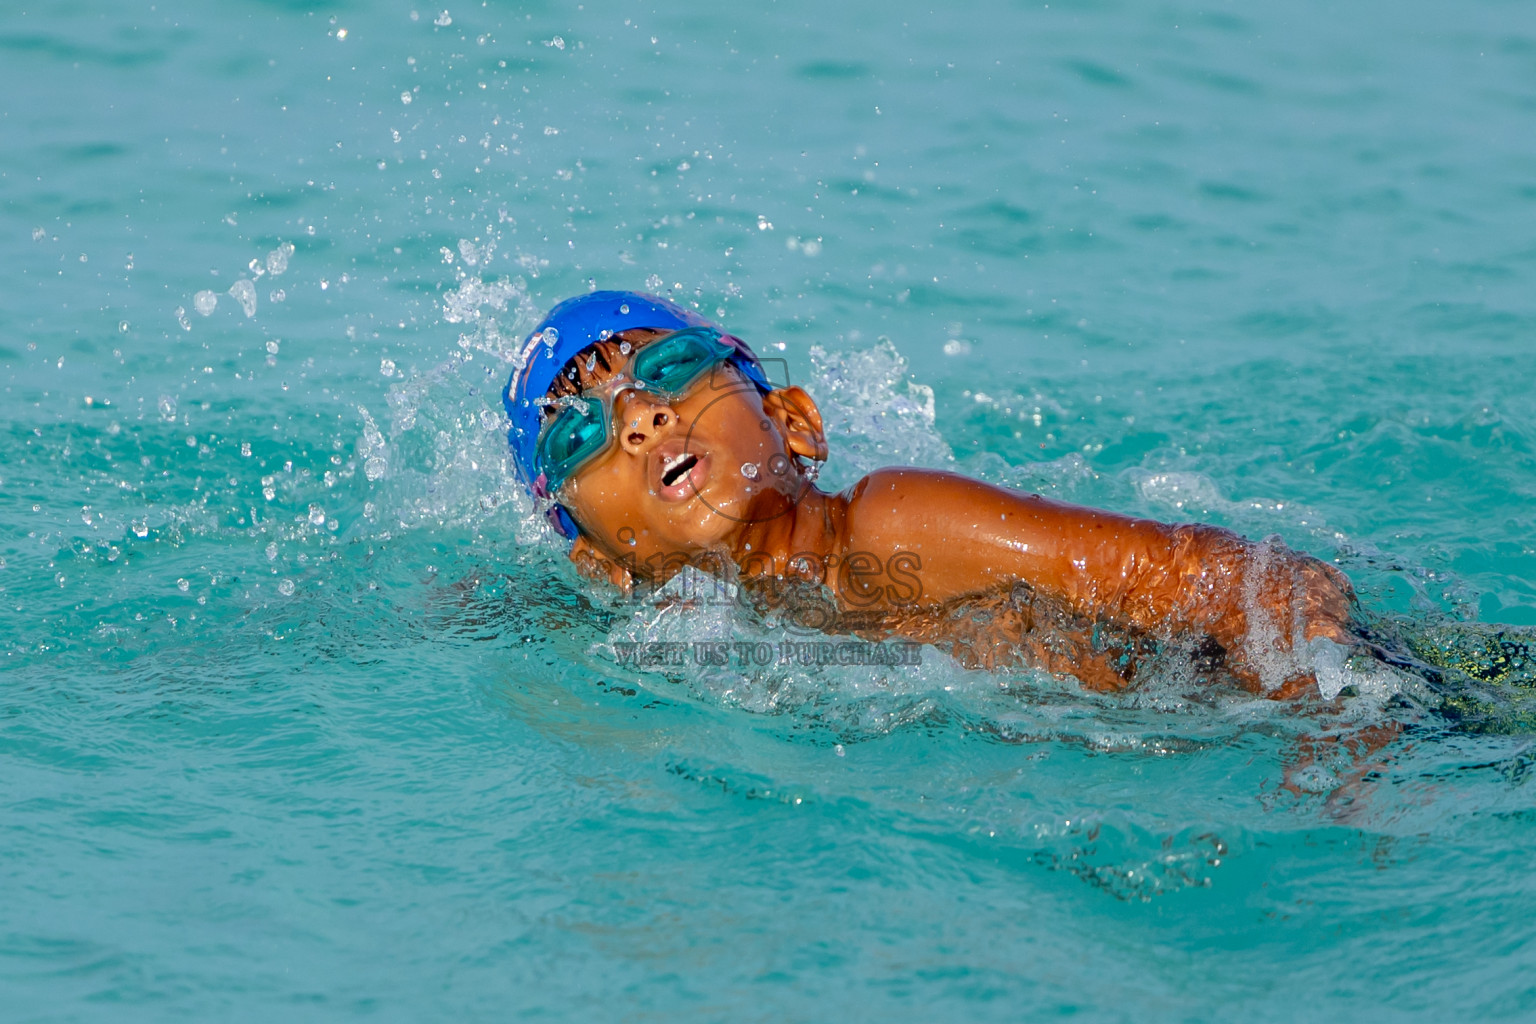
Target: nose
{"type": "Point", "coordinates": [642, 419]}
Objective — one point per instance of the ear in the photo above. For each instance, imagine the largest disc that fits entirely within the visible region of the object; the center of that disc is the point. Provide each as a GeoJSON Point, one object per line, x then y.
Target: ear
{"type": "Point", "coordinates": [799, 420]}
{"type": "Point", "coordinates": [596, 565]}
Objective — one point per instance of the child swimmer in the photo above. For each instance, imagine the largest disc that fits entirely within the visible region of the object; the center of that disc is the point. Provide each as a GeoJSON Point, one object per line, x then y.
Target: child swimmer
{"type": "Point", "coordinates": [655, 440]}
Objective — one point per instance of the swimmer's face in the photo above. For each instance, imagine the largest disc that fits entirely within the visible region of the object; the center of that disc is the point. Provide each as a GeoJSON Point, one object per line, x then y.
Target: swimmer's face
{"type": "Point", "coordinates": [687, 474]}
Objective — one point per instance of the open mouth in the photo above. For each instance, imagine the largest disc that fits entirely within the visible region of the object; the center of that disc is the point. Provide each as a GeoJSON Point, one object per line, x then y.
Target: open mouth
{"type": "Point", "coordinates": [676, 467]}
{"type": "Point", "coordinates": [675, 473]}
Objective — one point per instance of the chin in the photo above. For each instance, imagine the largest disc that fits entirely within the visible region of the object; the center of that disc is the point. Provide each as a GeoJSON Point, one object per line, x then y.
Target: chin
{"type": "Point", "coordinates": [696, 529]}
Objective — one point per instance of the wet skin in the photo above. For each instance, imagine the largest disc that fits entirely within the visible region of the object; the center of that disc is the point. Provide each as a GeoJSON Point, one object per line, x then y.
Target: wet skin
{"type": "Point", "coordinates": [674, 491]}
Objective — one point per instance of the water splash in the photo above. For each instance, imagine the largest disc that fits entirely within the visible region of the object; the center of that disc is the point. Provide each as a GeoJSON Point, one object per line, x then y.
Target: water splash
{"type": "Point", "coordinates": [444, 457]}
{"type": "Point", "coordinates": [874, 414]}
{"type": "Point", "coordinates": [705, 636]}
{"type": "Point", "coordinates": [373, 451]}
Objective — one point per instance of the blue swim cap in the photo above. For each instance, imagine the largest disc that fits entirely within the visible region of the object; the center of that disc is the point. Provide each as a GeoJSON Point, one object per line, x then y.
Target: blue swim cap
{"type": "Point", "coordinates": [570, 327]}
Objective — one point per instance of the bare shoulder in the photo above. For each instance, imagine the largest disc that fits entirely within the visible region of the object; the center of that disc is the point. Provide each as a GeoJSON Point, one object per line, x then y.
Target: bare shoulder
{"type": "Point", "coordinates": [904, 508]}
{"type": "Point", "coordinates": [907, 497]}
{"type": "Point", "coordinates": [901, 494]}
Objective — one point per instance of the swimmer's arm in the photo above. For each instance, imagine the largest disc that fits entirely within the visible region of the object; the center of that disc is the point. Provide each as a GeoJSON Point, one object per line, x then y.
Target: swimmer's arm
{"type": "Point", "coordinates": [971, 536]}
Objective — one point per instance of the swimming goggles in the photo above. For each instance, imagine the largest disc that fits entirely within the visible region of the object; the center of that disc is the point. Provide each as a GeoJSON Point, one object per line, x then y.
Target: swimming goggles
{"type": "Point", "coordinates": [583, 427]}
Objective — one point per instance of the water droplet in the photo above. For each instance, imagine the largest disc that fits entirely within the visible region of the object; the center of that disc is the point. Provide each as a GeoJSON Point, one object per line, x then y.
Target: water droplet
{"type": "Point", "coordinates": [443, 20]}
{"type": "Point", "coordinates": [277, 259]}
{"type": "Point", "coordinates": [551, 337]}
{"type": "Point", "coordinates": [245, 449]}
{"type": "Point", "coordinates": [272, 346]}
{"type": "Point", "coordinates": [604, 334]}
{"type": "Point", "coordinates": [272, 552]}
{"type": "Point", "coordinates": [243, 292]}
{"type": "Point", "coordinates": [122, 326]}
{"type": "Point", "coordinates": [183, 586]}
{"type": "Point", "coordinates": [592, 362]}
{"type": "Point", "coordinates": [625, 347]}
{"type": "Point", "coordinates": [140, 528]}
{"type": "Point", "coordinates": [750, 470]}
{"type": "Point", "coordinates": [316, 515]}
{"type": "Point", "coordinates": [387, 367]}
{"type": "Point", "coordinates": [205, 302]}
{"type": "Point", "coordinates": [285, 587]}
{"type": "Point", "coordinates": [167, 407]}
{"type": "Point", "coordinates": [957, 347]}
{"type": "Point", "coordinates": [624, 309]}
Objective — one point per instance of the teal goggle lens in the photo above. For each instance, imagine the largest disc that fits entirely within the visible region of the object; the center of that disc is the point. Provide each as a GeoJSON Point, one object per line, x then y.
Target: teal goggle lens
{"type": "Point", "coordinates": [583, 429]}
{"type": "Point", "coordinates": [669, 366]}
{"type": "Point", "coordinates": [579, 432]}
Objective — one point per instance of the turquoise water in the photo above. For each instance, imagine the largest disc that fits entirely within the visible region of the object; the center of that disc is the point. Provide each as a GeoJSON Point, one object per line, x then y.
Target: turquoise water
{"type": "Point", "coordinates": [302, 717]}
